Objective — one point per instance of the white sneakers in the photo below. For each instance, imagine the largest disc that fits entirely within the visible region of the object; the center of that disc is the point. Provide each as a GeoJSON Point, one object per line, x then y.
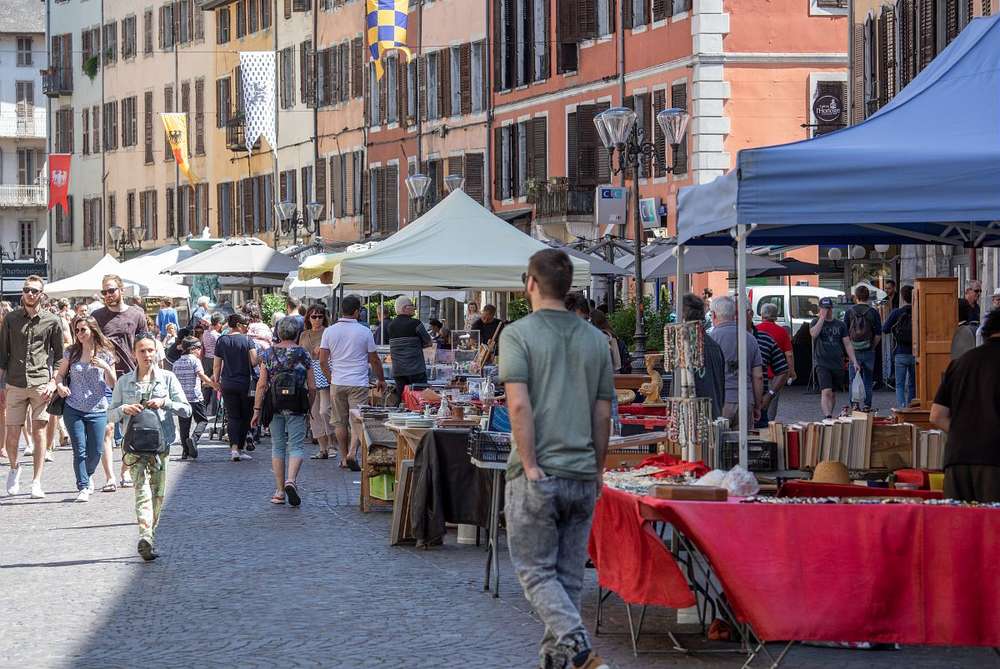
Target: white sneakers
{"type": "Point", "coordinates": [84, 495]}
{"type": "Point", "coordinates": [36, 490]}
{"type": "Point", "coordinates": [14, 481]}
{"type": "Point", "coordinates": [48, 456]}
{"type": "Point", "coordinates": [239, 455]}
{"type": "Point", "coordinates": [29, 450]}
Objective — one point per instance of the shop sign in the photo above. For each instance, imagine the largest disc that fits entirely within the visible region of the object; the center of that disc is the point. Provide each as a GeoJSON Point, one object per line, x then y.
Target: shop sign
{"type": "Point", "coordinates": [828, 109]}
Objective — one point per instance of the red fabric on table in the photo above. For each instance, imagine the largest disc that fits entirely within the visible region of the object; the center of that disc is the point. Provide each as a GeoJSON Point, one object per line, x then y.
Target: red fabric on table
{"type": "Point", "coordinates": [641, 410]}
{"type": "Point", "coordinates": [647, 423]}
{"type": "Point", "coordinates": [812, 489]}
{"type": "Point", "coordinates": [671, 465]}
{"type": "Point", "coordinates": [903, 573]}
{"type": "Point", "coordinates": [630, 559]}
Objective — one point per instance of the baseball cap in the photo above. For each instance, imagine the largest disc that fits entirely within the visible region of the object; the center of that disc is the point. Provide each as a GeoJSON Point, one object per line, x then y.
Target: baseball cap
{"type": "Point", "coordinates": [826, 302]}
{"type": "Point", "coordinates": [996, 292]}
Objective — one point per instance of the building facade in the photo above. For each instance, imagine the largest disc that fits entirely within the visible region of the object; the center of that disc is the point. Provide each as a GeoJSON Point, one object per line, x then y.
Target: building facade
{"type": "Point", "coordinates": [23, 132]}
{"type": "Point", "coordinates": [891, 42]}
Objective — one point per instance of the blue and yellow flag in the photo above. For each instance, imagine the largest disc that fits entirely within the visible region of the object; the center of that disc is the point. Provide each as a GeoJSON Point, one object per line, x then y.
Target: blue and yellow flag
{"type": "Point", "coordinates": [387, 21]}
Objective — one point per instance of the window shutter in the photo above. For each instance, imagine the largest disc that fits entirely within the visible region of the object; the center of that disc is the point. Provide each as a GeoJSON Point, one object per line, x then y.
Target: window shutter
{"type": "Point", "coordinates": [345, 71]}
{"type": "Point", "coordinates": [678, 98]}
{"type": "Point", "coordinates": [572, 148]}
{"type": "Point", "coordinates": [169, 199]}
{"type": "Point", "coordinates": [337, 183]}
{"type": "Point", "coordinates": [456, 165]}
{"type": "Point", "coordinates": [987, 7]}
{"type": "Point", "coordinates": [889, 40]}
{"type": "Point", "coordinates": [659, 104]}
{"type": "Point", "coordinates": [85, 126]}
{"type": "Point", "coordinates": [381, 187]}
{"type": "Point", "coordinates": [288, 9]}
{"type": "Point", "coordinates": [422, 64]}
{"type": "Point", "coordinates": [473, 170]}
{"type": "Point", "coordinates": [952, 24]}
{"type": "Point", "coordinates": [283, 184]}
{"type": "Point", "coordinates": [498, 63]}
{"type": "Point", "coordinates": [348, 194]}
{"type": "Point", "coordinates": [497, 164]}
{"type": "Point", "coordinates": [927, 33]}
{"type": "Point", "coordinates": [567, 32]}
{"type": "Point", "coordinates": [220, 196]}
{"type": "Point", "coordinates": [357, 67]}
{"type": "Point", "coordinates": [401, 95]}
{"type": "Point", "coordinates": [444, 83]}
{"type": "Point", "coordinates": [383, 95]}
{"type": "Point", "coordinates": [537, 149]}
{"type": "Point", "coordinates": [392, 198]}
{"type": "Point", "coordinates": [199, 117]}
{"type": "Point", "coordinates": [147, 126]}
{"type": "Point", "coordinates": [465, 82]}
{"type": "Point", "coordinates": [199, 22]}
{"type": "Point", "coordinates": [661, 9]}
{"type": "Point", "coordinates": [858, 68]}
{"type": "Point", "coordinates": [626, 13]}
{"type": "Point", "coordinates": [320, 187]}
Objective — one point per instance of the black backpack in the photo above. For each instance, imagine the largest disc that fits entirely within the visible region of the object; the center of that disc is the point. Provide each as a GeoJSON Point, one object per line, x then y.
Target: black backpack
{"type": "Point", "coordinates": [287, 391]}
{"type": "Point", "coordinates": [902, 329]}
{"type": "Point", "coordinates": [143, 436]}
{"type": "Point", "coordinates": [860, 331]}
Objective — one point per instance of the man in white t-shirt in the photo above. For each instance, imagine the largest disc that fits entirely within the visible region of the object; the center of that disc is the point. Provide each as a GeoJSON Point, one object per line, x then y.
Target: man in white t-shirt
{"type": "Point", "coordinates": [346, 351]}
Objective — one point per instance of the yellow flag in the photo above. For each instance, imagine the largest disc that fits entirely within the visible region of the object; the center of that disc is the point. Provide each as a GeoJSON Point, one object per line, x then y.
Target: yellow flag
{"type": "Point", "coordinates": [387, 21]}
{"type": "Point", "coordinates": [176, 126]}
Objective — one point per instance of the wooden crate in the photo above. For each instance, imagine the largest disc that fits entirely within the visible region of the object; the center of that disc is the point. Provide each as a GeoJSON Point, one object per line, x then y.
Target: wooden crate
{"type": "Point", "coordinates": [892, 446]}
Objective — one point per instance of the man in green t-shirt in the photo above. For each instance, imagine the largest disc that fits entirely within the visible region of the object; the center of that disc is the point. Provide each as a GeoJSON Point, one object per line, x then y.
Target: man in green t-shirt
{"type": "Point", "coordinates": [556, 369]}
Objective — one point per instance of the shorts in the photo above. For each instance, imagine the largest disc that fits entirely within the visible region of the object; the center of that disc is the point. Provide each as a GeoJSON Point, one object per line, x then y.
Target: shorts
{"type": "Point", "coordinates": [18, 402]}
{"type": "Point", "coordinates": [343, 399]}
{"type": "Point", "coordinates": [831, 379]}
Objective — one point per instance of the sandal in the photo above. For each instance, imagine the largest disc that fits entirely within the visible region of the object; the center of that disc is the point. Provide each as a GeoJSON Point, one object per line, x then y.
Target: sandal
{"type": "Point", "coordinates": [110, 486]}
{"type": "Point", "coordinates": [293, 493]}
{"type": "Point", "coordinates": [126, 483]}
{"type": "Point", "coordinates": [322, 455]}
{"type": "Point", "coordinates": [277, 499]}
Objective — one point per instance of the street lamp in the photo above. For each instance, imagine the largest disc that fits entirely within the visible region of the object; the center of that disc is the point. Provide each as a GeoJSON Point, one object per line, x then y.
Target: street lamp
{"type": "Point", "coordinates": [291, 220]}
{"type": "Point", "coordinates": [315, 210]}
{"type": "Point", "coordinates": [454, 182]}
{"type": "Point", "coordinates": [620, 134]}
{"type": "Point", "coordinates": [417, 185]}
{"type": "Point", "coordinates": [286, 215]}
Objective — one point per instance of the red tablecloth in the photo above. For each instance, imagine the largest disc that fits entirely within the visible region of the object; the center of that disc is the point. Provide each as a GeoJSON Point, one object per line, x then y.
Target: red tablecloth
{"type": "Point", "coordinates": [811, 489]}
{"type": "Point", "coordinates": [639, 409]}
{"type": "Point", "coordinates": [911, 574]}
{"type": "Point", "coordinates": [630, 559]}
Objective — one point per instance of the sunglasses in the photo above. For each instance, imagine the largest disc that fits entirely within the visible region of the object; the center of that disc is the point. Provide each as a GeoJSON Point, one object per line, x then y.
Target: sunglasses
{"type": "Point", "coordinates": [524, 278]}
{"type": "Point", "coordinates": [31, 291]}
{"type": "Point", "coordinates": [316, 317]}
{"type": "Point", "coordinates": [82, 330]}
{"type": "Point", "coordinates": [109, 291]}
{"type": "Point", "coordinates": [978, 290]}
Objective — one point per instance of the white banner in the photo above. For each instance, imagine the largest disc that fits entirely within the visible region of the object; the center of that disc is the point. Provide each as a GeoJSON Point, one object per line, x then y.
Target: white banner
{"type": "Point", "coordinates": [258, 97]}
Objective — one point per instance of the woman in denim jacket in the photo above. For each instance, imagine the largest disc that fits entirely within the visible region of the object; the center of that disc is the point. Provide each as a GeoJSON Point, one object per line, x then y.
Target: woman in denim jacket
{"type": "Point", "coordinates": [148, 387]}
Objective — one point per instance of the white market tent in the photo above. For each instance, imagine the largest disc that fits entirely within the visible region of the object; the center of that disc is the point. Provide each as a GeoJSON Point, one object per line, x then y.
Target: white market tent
{"type": "Point", "coordinates": [458, 244]}
{"type": "Point", "coordinates": [144, 272]}
{"type": "Point", "coordinates": [84, 284]}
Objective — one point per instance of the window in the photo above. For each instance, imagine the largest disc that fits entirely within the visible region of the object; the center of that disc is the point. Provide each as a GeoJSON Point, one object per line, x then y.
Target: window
{"type": "Point", "coordinates": [287, 64]}
{"type": "Point", "coordinates": [129, 122]}
{"type": "Point", "coordinates": [588, 159]}
{"type": "Point", "coordinates": [184, 20]}
{"type": "Point", "coordinates": [523, 156]}
{"type": "Point", "coordinates": [678, 99]}
{"type": "Point", "coordinates": [26, 238]}
{"type": "Point", "coordinates": [24, 103]}
{"type": "Point", "coordinates": [636, 13]}
{"type": "Point", "coordinates": [605, 21]}
{"type": "Point", "coordinates": [199, 117]}
{"type": "Point", "coordinates": [223, 102]}
{"type": "Point", "coordinates": [222, 28]}
{"type": "Point", "coordinates": [573, 26]}
{"type": "Point", "coordinates": [681, 6]}
{"type": "Point", "coordinates": [85, 126]}
{"type": "Point", "coordinates": [24, 52]}
{"type": "Point", "coordinates": [454, 99]}
{"type": "Point", "coordinates": [373, 109]}
{"type": "Point", "coordinates": [411, 91]}
{"type": "Point", "coordinates": [64, 130]}
{"type": "Point", "coordinates": [306, 81]}
{"type": "Point", "coordinates": [147, 127]}
{"type": "Point", "coordinates": [168, 106]}
{"type": "Point", "coordinates": [391, 84]}
{"type": "Point", "coordinates": [64, 222]}
{"type": "Point", "coordinates": [147, 32]}
{"type": "Point", "coordinates": [90, 44]}
{"type": "Point", "coordinates": [61, 62]}
{"type": "Point", "coordinates": [805, 306]}
{"type": "Point", "coordinates": [95, 136]}
{"type": "Point", "coordinates": [265, 14]}
{"type": "Point", "coordinates": [167, 21]}
{"type": "Point", "coordinates": [148, 213]}
{"type": "Point", "coordinates": [776, 300]}
{"type": "Point", "coordinates": [110, 43]}
{"type": "Point", "coordinates": [433, 85]}
{"type": "Point", "coordinates": [225, 208]}
{"type": "Point", "coordinates": [128, 38]}
{"type": "Point", "coordinates": [29, 166]}
{"type": "Point", "coordinates": [253, 16]}
{"type": "Point", "coordinates": [476, 77]}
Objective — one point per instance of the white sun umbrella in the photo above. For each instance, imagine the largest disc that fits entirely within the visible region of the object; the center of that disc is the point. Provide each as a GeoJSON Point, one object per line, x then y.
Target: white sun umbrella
{"type": "Point", "coordinates": [84, 284]}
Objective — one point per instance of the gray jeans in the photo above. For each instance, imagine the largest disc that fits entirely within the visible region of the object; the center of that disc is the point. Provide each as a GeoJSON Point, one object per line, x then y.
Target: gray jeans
{"type": "Point", "coordinates": [548, 526]}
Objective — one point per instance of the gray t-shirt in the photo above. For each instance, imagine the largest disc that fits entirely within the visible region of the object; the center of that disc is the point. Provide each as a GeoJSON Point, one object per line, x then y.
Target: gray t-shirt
{"type": "Point", "coordinates": [828, 348]}
{"type": "Point", "coordinates": [566, 365]}
{"type": "Point", "coordinates": [725, 335]}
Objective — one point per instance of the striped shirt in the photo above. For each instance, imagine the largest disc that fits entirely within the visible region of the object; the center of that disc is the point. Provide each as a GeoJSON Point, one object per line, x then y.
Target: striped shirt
{"type": "Point", "coordinates": [186, 370]}
{"type": "Point", "coordinates": [772, 356]}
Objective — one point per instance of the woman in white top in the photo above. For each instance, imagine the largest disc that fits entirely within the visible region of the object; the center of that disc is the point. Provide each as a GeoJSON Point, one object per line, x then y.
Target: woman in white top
{"type": "Point", "coordinates": [471, 315]}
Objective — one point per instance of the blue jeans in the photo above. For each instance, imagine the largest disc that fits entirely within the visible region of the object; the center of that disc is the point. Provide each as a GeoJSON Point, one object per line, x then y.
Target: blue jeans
{"type": "Point", "coordinates": [86, 433]}
{"type": "Point", "coordinates": [288, 435]}
{"type": "Point", "coordinates": [906, 379]}
{"type": "Point", "coordinates": [867, 361]}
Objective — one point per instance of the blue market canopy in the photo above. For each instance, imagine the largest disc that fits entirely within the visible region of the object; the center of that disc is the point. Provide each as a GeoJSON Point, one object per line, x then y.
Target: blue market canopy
{"type": "Point", "coordinates": [923, 169]}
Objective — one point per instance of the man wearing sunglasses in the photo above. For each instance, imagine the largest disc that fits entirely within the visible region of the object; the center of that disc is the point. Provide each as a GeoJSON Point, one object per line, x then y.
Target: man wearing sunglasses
{"type": "Point", "coordinates": [31, 343]}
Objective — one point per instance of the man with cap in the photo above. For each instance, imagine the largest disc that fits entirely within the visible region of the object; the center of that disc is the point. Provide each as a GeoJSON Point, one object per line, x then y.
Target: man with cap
{"type": "Point", "coordinates": [994, 305]}
{"type": "Point", "coordinates": [407, 340]}
{"type": "Point", "coordinates": [830, 342]}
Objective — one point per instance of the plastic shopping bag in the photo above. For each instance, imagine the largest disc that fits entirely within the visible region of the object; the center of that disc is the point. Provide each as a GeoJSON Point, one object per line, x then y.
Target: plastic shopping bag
{"type": "Point", "coordinates": [858, 390]}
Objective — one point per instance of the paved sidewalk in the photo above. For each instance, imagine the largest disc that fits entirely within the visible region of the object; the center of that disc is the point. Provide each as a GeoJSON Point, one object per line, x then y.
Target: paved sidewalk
{"type": "Point", "coordinates": [242, 583]}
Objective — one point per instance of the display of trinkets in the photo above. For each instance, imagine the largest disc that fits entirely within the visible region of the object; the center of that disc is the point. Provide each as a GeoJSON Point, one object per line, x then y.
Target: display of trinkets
{"type": "Point", "coordinates": [684, 345]}
{"type": "Point", "coordinates": [689, 424]}
{"type": "Point", "coordinates": [637, 481]}
{"type": "Point", "coordinates": [867, 501]}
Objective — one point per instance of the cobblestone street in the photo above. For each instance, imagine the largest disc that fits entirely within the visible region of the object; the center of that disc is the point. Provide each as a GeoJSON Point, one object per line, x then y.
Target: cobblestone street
{"type": "Point", "coordinates": [242, 583]}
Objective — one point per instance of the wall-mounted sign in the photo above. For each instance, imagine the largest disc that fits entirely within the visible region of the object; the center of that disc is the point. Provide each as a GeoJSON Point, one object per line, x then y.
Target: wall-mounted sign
{"type": "Point", "coordinates": [610, 205]}
{"type": "Point", "coordinates": [22, 270]}
{"type": "Point", "coordinates": [649, 212]}
{"type": "Point", "coordinates": [828, 109]}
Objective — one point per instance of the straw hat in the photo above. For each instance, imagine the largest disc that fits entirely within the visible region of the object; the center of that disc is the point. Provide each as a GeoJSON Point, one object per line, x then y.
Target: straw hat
{"type": "Point", "coordinates": [830, 471]}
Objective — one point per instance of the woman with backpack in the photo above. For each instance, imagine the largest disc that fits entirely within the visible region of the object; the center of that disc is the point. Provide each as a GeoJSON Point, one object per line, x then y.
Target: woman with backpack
{"type": "Point", "coordinates": [143, 401]}
{"type": "Point", "coordinates": [282, 401]}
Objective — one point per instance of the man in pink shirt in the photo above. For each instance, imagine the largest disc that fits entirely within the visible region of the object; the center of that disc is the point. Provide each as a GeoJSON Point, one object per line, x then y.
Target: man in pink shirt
{"type": "Point", "coordinates": [769, 325]}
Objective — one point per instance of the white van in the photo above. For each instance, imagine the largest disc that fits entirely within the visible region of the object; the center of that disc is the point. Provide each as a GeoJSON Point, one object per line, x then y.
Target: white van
{"type": "Point", "coordinates": [796, 305]}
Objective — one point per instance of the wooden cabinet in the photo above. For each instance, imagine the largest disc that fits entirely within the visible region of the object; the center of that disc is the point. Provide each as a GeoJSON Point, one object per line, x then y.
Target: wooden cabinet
{"type": "Point", "coordinates": [935, 318]}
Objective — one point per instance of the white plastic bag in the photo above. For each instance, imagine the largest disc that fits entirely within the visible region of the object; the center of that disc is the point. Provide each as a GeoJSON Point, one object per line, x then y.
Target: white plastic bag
{"type": "Point", "coordinates": [740, 483]}
{"type": "Point", "coordinates": [712, 479]}
{"type": "Point", "coordinates": [858, 390]}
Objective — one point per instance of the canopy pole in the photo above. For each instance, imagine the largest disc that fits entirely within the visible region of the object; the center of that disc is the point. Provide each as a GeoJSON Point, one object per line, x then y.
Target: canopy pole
{"type": "Point", "coordinates": [680, 288]}
{"type": "Point", "coordinates": [744, 407]}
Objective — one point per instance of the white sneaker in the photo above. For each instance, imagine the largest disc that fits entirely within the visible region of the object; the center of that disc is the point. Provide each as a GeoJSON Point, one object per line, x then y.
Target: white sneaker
{"type": "Point", "coordinates": [84, 495]}
{"type": "Point", "coordinates": [90, 485]}
{"type": "Point", "coordinates": [29, 450]}
{"type": "Point", "coordinates": [36, 490]}
{"type": "Point", "coordinates": [235, 455]}
{"type": "Point", "coordinates": [14, 481]}
{"type": "Point", "coordinates": [48, 456]}
{"type": "Point", "coordinates": [245, 456]}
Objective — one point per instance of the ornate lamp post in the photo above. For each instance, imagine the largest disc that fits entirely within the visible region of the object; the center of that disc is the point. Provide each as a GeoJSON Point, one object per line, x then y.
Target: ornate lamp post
{"type": "Point", "coordinates": [622, 137]}
{"type": "Point", "coordinates": [417, 185]}
{"type": "Point", "coordinates": [454, 182]}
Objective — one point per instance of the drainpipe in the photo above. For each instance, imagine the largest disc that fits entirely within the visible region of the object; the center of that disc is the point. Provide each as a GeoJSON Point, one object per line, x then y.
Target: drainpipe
{"type": "Point", "coordinates": [48, 144]}
{"type": "Point", "coordinates": [104, 173]}
{"type": "Point", "coordinates": [420, 50]}
{"type": "Point", "coordinates": [177, 167]}
{"type": "Point", "coordinates": [276, 231]}
{"type": "Point", "coordinates": [315, 110]}
{"type": "Point", "coordinates": [488, 105]}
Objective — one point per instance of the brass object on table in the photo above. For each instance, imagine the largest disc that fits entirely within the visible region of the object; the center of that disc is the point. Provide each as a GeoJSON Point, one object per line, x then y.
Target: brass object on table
{"type": "Point", "coordinates": [651, 390]}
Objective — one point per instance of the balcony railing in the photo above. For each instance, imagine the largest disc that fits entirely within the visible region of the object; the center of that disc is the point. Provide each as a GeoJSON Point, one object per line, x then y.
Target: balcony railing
{"type": "Point", "coordinates": [556, 198]}
{"type": "Point", "coordinates": [235, 135]}
{"type": "Point", "coordinates": [23, 196]}
{"type": "Point", "coordinates": [57, 81]}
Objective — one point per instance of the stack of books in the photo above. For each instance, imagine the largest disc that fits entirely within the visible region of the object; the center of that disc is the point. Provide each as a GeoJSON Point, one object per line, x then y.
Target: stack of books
{"type": "Point", "coordinates": [803, 445]}
{"type": "Point", "coordinates": [928, 449]}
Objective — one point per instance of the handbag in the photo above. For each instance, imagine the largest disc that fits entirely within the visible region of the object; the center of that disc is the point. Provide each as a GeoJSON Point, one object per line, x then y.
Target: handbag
{"type": "Point", "coordinates": [57, 405]}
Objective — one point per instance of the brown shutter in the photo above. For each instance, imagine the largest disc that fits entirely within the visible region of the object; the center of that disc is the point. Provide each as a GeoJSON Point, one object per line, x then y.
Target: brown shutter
{"type": "Point", "coordinates": [199, 117]}
{"type": "Point", "coordinates": [889, 40]}
{"type": "Point", "coordinates": [337, 182]}
{"type": "Point", "coordinates": [456, 165]}
{"type": "Point", "coordinates": [357, 67]}
{"type": "Point", "coordinates": [572, 148]}
{"type": "Point", "coordinates": [288, 8]}
{"type": "Point", "coordinates": [444, 83]}
{"type": "Point", "coordinates": [927, 32]}
{"type": "Point", "coordinates": [678, 99]}
{"type": "Point", "coordinates": [661, 9]}
{"type": "Point", "coordinates": [220, 194]}
{"type": "Point", "coordinates": [169, 199]}
{"type": "Point", "coordinates": [401, 93]}
{"type": "Point", "coordinates": [659, 104]}
{"type": "Point", "coordinates": [383, 218]}
{"type": "Point", "coordinates": [858, 74]}
{"type": "Point", "coordinates": [497, 164]}
{"type": "Point", "coordinates": [349, 200]}
{"type": "Point", "coordinates": [392, 198]}
{"type": "Point", "coordinates": [586, 11]}
{"type": "Point", "coordinates": [474, 176]}
{"type": "Point", "coordinates": [320, 187]}
{"type": "Point", "coordinates": [345, 71]}
{"type": "Point", "coordinates": [952, 24]}
{"type": "Point", "coordinates": [85, 126]}
{"type": "Point", "coordinates": [626, 13]}
{"type": "Point", "coordinates": [587, 157]}
{"type": "Point", "coordinates": [147, 126]}
{"type": "Point", "coordinates": [383, 95]}
{"type": "Point", "coordinates": [497, 37]}
{"type": "Point", "coordinates": [465, 83]}
{"type": "Point", "coordinates": [987, 7]}
{"type": "Point", "coordinates": [192, 212]}
{"type": "Point", "coordinates": [538, 149]}
{"type": "Point", "coordinates": [422, 64]}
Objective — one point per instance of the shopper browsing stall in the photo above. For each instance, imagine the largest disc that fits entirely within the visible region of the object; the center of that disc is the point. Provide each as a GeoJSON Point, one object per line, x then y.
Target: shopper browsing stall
{"type": "Point", "coordinates": [559, 384]}
{"type": "Point", "coordinates": [776, 366]}
{"type": "Point", "coordinates": [726, 335]}
{"type": "Point", "coordinates": [830, 344]}
{"type": "Point", "coordinates": [711, 384]}
{"type": "Point", "coordinates": [407, 340]}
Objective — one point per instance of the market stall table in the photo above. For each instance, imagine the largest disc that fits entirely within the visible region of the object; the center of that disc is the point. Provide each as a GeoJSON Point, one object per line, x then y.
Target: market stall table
{"type": "Point", "coordinates": [919, 574]}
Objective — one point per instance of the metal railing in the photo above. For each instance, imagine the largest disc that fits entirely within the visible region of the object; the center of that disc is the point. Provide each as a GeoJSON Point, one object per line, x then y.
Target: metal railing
{"type": "Point", "coordinates": [564, 200]}
{"type": "Point", "coordinates": [57, 81]}
{"type": "Point", "coordinates": [23, 196]}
